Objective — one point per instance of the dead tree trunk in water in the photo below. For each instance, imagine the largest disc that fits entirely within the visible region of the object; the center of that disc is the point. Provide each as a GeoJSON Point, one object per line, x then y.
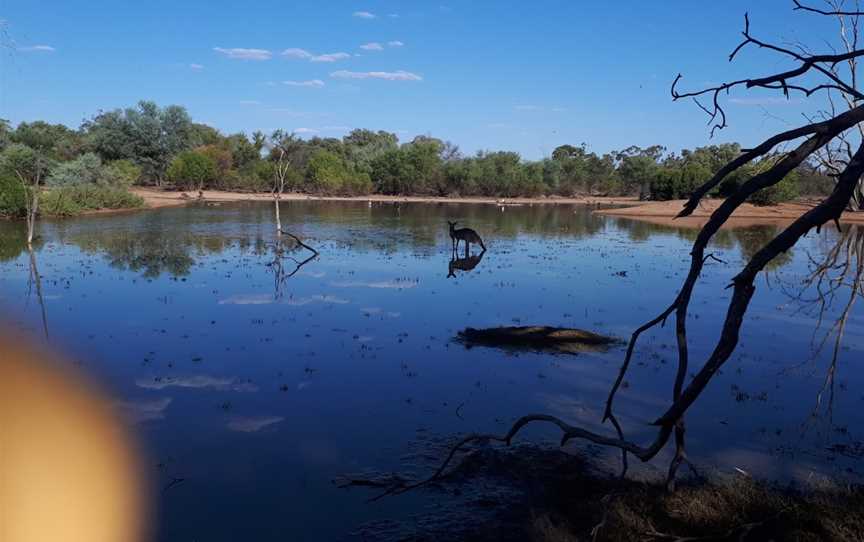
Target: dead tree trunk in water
{"type": "Point", "coordinates": [280, 143]}
{"type": "Point", "coordinates": [811, 139]}
{"type": "Point", "coordinates": [32, 185]}
{"type": "Point", "coordinates": [279, 187]}
{"type": "Point", "coordinates": [35, 279]}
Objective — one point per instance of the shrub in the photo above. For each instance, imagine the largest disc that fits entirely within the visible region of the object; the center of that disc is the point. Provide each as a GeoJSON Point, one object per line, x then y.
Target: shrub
{"type": "Point", "coordinates": [89, 169]}
{"type": "Point", "coordinates": [785, 190]}
{"type": "Point", "coordinates": [121, 173]}
{"type": "Point", "coordinates": [74, 199]}
{"type": "Point", "coordinates": [191, 170]}
{"type": "Point", "coordinates": [13, 241]}
{"type": "Point", "coordinates": [86, 169]}
{"type": "Point", "coordinates": [328, 173]}
{"type": "Point", "coordinates": [12, 196]}
{"type": "Point", "coordinates": [677, 182]}
{"type": "Point", "coordinates": [358, 184]}
{"type": "Point", "coordinates": [220, 155]}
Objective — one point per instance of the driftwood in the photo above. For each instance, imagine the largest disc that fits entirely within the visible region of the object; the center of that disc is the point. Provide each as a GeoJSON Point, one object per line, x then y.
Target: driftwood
{"type": "Point", "coordinates": [540, 338]}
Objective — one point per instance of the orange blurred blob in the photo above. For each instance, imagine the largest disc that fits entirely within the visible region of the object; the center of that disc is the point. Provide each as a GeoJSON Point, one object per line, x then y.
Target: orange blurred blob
{"type": "Point", "coordinates": [68, 470]}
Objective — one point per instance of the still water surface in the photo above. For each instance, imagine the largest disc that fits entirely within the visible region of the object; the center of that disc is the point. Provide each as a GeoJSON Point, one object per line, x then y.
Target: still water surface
{"type": "Point", "coordinates": [257, 382]}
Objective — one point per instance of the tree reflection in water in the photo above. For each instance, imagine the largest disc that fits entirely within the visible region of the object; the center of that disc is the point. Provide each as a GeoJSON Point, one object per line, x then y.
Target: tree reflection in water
{"type": "Point", "coordinates": [833, 284]}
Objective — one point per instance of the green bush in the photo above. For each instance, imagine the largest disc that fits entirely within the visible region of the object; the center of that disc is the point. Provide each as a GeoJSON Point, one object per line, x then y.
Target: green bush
{"type": "Point", "coordinates": [86, 169]}
{"type": "Point", "coordinates": [357, 184]}
{"type": "Point", "coordinates": [255, 176]}
{"type": "Point", "coordinates": [192, 170]}
{"type": "Point", "coordinates": [785, 190]}
{"type": "Point", "coordinates": [121, 173]}
{"type": "Point", "coordinates": [75, 199]}
{"type": "Point", "coordinates": [670, 183]}
{"type": "Point", "coordinates": [89, 169]}
{"type": "Point", "coordinates": [13, 241]}
{"type": "Point", "coordinates": [12, 196]}
{"type": "Point", "coordinates": [329, 174]}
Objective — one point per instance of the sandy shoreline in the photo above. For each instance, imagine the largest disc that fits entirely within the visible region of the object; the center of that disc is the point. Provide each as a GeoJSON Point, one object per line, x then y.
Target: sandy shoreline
{"type": "Point", "coordinates": [663, 213]}
{"type": "Point", "coordinates": [162, 198]}
{"type": "Point", "coordinates": [655, 212]}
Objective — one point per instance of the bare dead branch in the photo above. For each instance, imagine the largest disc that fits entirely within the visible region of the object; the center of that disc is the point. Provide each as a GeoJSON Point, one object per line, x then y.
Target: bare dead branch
{"type": "Point", "coordinates": [803, 7]}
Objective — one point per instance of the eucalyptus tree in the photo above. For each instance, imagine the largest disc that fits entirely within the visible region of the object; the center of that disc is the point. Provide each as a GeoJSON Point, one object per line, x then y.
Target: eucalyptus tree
{"type": "Point", "coordinates": [30, 167]}
{"type": "Point", "coordinates": [146, 134]}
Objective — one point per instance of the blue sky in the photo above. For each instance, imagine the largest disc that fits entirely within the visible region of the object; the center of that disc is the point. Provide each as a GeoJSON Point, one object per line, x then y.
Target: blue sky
{"type": "Point", "coordinates": [523, 76]}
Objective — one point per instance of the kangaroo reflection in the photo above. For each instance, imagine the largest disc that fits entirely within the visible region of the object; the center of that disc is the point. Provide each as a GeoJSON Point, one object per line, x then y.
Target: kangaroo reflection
{"type": "Point", "coordinates": [463, 264]}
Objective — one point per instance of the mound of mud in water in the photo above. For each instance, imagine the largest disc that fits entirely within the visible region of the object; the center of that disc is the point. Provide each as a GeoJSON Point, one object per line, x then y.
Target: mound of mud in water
{"type": "Point", "coordinates": [537, 338]}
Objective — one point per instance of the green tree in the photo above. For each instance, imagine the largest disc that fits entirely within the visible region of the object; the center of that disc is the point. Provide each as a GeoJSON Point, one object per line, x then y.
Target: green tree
{"type": "Point", "coordinates": [53, 141]}
{"type": "Point", "coordinates": [147, 134]}
{"type": "Point", "coordinates": [327, 172]}
{"type": "Point", "coordinates": [30, 167]}
{"type": "Point", "coordinates": [362, 147]}
{"type": "Point", "coordinates": [5, 133]}
{"type": "Point", "coordinates": [192, 170]}
{"type": "Point", "coordinates": [637, 167]}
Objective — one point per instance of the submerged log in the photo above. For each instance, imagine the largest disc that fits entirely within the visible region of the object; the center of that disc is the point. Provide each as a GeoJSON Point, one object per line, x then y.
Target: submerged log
{"type": "Point", "coordinates": [547, 338]}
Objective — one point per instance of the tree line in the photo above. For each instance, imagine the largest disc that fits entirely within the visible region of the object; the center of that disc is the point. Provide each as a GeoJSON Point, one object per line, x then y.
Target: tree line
{"type": "Point", "coordinates": [161, 146]}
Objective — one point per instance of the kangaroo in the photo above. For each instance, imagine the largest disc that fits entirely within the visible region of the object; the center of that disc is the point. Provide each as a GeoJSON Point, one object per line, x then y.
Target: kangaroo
{"type": "Point", "coordinates": [464, 234]}
{"type": "Point", "coordinates": [463, 264]}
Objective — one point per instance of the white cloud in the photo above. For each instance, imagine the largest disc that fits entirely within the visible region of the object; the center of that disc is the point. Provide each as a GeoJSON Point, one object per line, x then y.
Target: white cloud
{"type": "Point", "coordinates": [252, 425]}
{"type": "Point", "coordinates": [364, 15]}
{"type": "Point", "coordinates": [330, 57]}
{"type": "Point", "coordinates": [294, 113]}
{"type": "Point", "coordinates": [380, 285]}
{"type": "Point", "coordinates": [196, 67]}
{"type": "Point", "coordinates": [303, 54]}
{"type": "Point", "coordinates": [251, 299]}
{"type": "Point", "coordinates": [37, 49]}
{"type": "Point", "coordinates": [305, 131]}
{"type": "Point", "coordinates": [395, 43]}
{"type": "Point", "coordinates": [143, 411]}
{"type": "Point", "coordinates": [196, 382]}
{"type": "Point", "coordinates": [313, 83]}
{"type": "Point", "coordinates": [399, 75]}
{"type": "Point", "coordinates": [770, 100]}
{"type": "Point", "coordinates": [268, 299]}
{"type": "Point", "coordinates": [528, 108]}
{"type": "Point", "coordinates": [239, 53]}
{"type": "Point", "coordinates": [301, 301]}
{"type": "Point", "coordinates": [393, 15]}
{"type": "Point", "coordinates": [335, 129]}
{"type": "Point", "coordinates": [294, 52]}
{"type": "Point", "coordinates": [373, 46]}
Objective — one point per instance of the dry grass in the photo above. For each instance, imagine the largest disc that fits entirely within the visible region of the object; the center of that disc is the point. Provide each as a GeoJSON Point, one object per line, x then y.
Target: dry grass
{"type": "Point", "coordinates": [541, 494]}
{"type": "Point", "coordinates": [733, 510]}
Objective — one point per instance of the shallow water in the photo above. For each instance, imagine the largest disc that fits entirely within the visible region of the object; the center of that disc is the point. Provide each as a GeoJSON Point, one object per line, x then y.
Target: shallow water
{"type": "Point", "coordinates": [258, 387]}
